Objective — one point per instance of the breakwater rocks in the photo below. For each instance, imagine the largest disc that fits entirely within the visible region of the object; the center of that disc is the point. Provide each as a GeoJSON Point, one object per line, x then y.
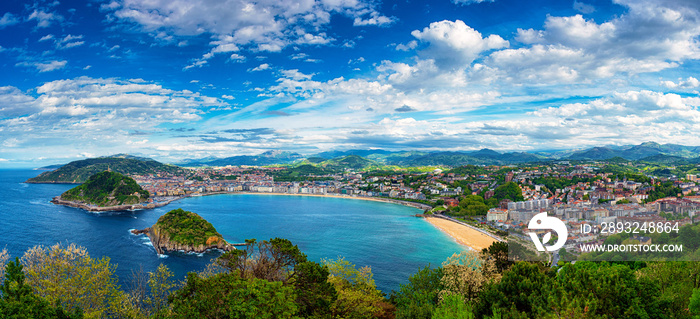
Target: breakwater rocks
{"type": "Point", "coordinates": [162, 243]}
{"type": "Point", "coordinates": [94, 208]}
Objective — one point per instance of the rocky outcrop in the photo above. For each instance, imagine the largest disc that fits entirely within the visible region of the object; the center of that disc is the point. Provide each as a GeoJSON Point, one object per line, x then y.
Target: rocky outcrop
{"type": "Point", "coordinates": [181, 230]}
{"type": "Point", "coordinates": [140, 232]}
{"type": "Point", "coordinates": [162, 243]}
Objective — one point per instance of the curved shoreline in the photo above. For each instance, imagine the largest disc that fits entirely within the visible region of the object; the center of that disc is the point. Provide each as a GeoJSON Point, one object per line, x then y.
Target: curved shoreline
{"type": "Point", "coordinates": [464, 235]}
{"type": "Point", "coordinates": [420, 206]}
{"type": "Point", "coordinates": [461, 234]}
{"type": "Point", "coordinates": [58, 201]}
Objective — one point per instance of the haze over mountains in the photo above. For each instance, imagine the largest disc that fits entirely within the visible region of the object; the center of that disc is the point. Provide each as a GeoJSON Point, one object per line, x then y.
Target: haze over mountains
{"type": "Point", "coordinates": [265, 158]}
{"type": "Point", "coordinates": [648, 151]}
{"type": "Point", "coordinates": [638, 152]}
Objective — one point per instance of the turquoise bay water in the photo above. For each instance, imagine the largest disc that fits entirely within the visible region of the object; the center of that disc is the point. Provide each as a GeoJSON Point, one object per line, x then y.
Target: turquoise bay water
{"type": "Point", "coordinates": [383, 236]}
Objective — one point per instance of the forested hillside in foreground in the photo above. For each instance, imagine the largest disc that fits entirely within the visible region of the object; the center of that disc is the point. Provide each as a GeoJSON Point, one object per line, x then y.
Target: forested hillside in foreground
{"type": "Point", "coordinates": [274, 279]}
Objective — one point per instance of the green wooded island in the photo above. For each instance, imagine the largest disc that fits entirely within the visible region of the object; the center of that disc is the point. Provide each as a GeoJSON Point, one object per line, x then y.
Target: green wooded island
{"type": "Point", "coordinates": [106, 191]}
{"type": "Point", "coordinates": [186, 231]}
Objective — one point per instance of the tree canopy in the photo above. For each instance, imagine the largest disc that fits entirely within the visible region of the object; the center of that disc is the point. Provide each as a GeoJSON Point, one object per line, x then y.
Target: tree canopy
{"type": "Point", "coordinates": [274, 279]}
{"type": "Point", "coordinates": [510, 191]}
{"type": "Point", "coordinates": [107, 189]}
{"type": "Point", "coordinates": [187, 228]}
{"type": "Point", "coordinates": [18, 300]}
{"type": "Point", "coordinates": [471, 205]}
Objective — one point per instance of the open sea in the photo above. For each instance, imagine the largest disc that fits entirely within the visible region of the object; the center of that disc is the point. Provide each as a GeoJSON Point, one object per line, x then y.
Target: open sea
{"type": "Point", "coordinates": [384, 236]}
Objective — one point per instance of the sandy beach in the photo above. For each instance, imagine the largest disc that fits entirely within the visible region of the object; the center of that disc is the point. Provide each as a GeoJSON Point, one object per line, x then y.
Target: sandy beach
{"type": "Point", "coordinates": [462, 234]}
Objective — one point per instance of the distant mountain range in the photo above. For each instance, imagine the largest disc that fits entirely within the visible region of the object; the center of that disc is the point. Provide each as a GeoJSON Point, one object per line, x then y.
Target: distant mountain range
{"type": "Point", "coordinates": [481, 157]}
{"type": "Point", "coordinates": [648, 152]}
{"type": "Point", "coordinates": [355, 162]}
{"type": "Point", "coordinates": [637, 152]}
{"type": "Point", "coordinates": [266, 158]}
{"type": "Point", "coordinates": [379, 157]}
{"type": "Point", "coordinates": [668, 154]}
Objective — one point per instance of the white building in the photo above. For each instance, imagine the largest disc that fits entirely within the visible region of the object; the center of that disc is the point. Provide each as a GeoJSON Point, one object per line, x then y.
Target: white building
{"type": "Point", "coordinates": [496, 214]}
{"type": "Point", "coordinates": [529, 205]}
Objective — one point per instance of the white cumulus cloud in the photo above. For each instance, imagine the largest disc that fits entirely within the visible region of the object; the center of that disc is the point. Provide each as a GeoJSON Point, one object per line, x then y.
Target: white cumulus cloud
{"type": "Point", "coordinates": [92, 114]}
{"type": "Point", "coordinates": [266, 25]}
{"type": "Point", "coordinates": [261, 67]}
{"type": "Point", "coordinates": [455, 44]}
{"type": "Point", "coordinates": [45, 19]}
{"type": "Point", "coordinates": [689, 83]}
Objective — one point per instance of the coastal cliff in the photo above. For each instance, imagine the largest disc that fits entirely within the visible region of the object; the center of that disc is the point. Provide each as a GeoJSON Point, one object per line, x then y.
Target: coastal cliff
{"type": "Point", "coordinates": [181, 230]}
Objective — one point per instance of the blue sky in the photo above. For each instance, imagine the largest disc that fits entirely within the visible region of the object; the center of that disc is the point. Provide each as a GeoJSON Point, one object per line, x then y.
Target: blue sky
{"type": "Point", "coordinates": [176, 79]}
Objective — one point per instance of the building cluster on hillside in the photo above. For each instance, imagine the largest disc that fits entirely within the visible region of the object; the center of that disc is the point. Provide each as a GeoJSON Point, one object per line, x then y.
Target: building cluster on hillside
{"type": "Point", "coordinates": [596, 199]}
{"type": "Point", "coordinates": [518, 214]}
{"type": "Point", "coordinates": [246, 180]}
{"type": "Point", "coordinates": [426, 186]}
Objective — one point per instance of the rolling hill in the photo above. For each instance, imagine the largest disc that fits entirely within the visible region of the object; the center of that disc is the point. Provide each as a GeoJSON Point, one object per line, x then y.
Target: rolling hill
{"type": "Point", "coordinates": [107, 189]}
{"type": "Point", "coordinates": [596, 153]}
{"type": "Point", "coordinates": [646, 151]}
{"type": "Point", "coordinates": [353, 162]}
{"type": "Point", "coordinates": [649, 152]}
{"type": "Point", "coordinates": [266, 158]}
{"type": "Point", "coordinates": [80, 171]}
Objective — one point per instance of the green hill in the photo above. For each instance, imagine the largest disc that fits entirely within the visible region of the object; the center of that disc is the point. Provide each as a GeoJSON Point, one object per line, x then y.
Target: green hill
{"type": "Point", "coordinates": [79, 171]}
{"type": "Point", "coordinates": [300, 173]}
{"type": "Point", "coordinates": [354, 162]}
{"type": "Point", "coordinates": [319, 166]}
{"type": "Point", "coordinates": [438, 158]}
{"type": "Point", "coordinates": [187, 228]}
{"type": "Point", "coordinates": [315, 160]}
{"type": "Point", "coordinates": [183, 230]}
{"type": "Point", "coordinates": [666, 160]}
{"type": "Point", "coordinates": [107, 189]}
{"type": "Point", "coordinates": [645, 152]}
{"type": "Point", "coordinates": [596, 153]}
{"type": "Point", "coordinates": [265, 158]}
